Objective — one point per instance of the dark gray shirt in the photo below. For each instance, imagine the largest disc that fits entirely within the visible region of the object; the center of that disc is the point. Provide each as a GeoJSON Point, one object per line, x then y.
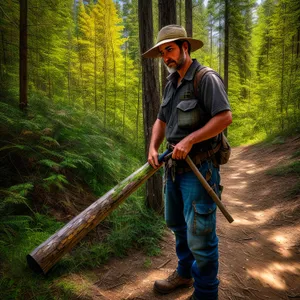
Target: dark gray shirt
{"type": "Point", "coordinates": [212, 99]}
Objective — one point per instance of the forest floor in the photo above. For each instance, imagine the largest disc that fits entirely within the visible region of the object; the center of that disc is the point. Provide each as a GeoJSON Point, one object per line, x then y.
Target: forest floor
{"type": "Point", "coordinates": [259, 251]}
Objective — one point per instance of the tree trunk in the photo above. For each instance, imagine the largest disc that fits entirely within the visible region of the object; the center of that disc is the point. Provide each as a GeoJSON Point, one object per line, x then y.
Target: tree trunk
{"type": "Point", "coordinates": [3, 59]}
{"type": "Point", "coordinates": [23, 55]}
{"type": "Point", "coordinates": [226, 45]}
{"type": "Point", "coordinates": [180, 12]}
{"type": "Point", "coordinates": [189, 17]}
{"type": "Point", "coordinates": [138, 113]}
{"type": "Point", "coordinates": [151, 99]}
{"type": "Point", "coordinates": [51, 251]}
{"type": "Point", "coordinates": [167, 16]}
{"type": "Point", "coordinates": [211, 38]}
{"type": "Point", "coordinates": [125, 86]}
{"type": "Point", "coordinates": [282, 82]}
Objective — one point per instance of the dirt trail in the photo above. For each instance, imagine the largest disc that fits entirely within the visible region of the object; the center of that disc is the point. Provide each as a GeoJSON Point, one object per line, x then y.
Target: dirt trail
{"type": "Point", "coordinates": [259, 252]}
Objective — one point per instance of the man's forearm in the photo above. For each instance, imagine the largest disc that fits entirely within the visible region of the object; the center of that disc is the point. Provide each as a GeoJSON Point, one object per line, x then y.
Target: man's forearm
{"type": "Point", "coordinates": [158, 134]}
{"type": "Point", "coordinates": [214, 126]}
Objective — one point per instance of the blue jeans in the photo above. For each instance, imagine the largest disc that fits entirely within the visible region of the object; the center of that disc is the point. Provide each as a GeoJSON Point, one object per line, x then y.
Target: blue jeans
{"type": "Point", "coordinates": [191, 214]}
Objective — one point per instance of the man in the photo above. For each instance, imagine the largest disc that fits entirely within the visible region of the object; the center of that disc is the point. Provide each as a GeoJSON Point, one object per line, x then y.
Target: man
{"type": "Point", "coordinates": [191, 126]}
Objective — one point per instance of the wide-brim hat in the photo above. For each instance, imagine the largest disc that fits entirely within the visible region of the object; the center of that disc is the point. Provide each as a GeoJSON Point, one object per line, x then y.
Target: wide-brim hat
{"type": "Point", "coordinates": [169, 34]}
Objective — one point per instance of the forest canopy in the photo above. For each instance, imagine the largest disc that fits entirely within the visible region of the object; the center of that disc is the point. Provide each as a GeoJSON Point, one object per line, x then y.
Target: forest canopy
{"type": "Point", "coordinates": [86, 54]}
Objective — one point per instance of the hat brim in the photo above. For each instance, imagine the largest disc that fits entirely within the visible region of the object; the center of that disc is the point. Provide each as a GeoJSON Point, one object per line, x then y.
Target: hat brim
{"type": "Point", "coordinates": [154, 51]}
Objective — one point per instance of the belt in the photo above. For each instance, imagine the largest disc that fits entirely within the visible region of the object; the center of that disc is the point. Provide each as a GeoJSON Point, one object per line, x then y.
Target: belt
{"type": "Point", "coordinates": [181, 166]}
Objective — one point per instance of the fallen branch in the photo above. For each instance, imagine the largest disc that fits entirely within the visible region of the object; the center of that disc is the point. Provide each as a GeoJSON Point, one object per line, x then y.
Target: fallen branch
{"type": "Point", "coordinates": [162, 265]}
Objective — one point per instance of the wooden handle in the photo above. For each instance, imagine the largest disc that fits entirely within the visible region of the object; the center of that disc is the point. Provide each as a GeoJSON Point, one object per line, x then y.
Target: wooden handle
{"type": "Point", "coordinates": [209, 190]}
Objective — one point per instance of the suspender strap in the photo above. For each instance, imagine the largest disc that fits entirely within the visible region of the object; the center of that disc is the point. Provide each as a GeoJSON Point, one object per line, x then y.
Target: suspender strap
{"type": "Point", "coordinates": [198, 76]}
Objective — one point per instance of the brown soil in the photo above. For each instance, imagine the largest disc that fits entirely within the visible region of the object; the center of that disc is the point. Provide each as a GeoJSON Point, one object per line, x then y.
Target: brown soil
{"type": "Point", "coordinates": [259, 251]}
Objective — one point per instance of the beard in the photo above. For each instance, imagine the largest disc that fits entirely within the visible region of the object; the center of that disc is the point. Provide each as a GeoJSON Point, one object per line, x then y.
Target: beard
{"type": "Point", "coordinates": [177, 65]}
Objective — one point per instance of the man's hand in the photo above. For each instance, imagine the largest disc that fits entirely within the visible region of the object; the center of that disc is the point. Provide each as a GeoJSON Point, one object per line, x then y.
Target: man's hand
{"type": "Point", "coordinates": [153, 159]}
{"type": "Point", "coordinates": [158, 134]}
{"type": "Point", "coordinates": [212, 128]}
{"type": "Point", "coordinates": [182, 149]}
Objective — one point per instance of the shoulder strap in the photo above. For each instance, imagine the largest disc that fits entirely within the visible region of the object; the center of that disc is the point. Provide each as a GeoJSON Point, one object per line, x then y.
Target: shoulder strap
{"type": "Point", "coordinates": [198, 76]}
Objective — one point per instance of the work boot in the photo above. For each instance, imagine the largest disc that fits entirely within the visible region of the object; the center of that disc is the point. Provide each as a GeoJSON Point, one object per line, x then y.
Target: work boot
{"type": "Point", "coordinates": [168, 285]}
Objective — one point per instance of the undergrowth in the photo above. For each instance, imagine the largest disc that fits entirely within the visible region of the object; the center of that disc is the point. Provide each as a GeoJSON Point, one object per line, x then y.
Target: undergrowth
{"type": "Point", "coordinates": [292, 168]}
{"type": "Point", "coordinates": [55, 160]}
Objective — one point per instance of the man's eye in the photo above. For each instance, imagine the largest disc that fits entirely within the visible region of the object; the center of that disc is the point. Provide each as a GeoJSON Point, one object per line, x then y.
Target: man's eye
{"type": "Point", "coordinates": [170, 49]}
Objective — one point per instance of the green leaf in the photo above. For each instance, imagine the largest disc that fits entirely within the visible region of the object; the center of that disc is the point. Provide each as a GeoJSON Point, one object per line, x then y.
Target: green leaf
{"type": "Point", "coordinates": [49, 163]}
{"type": "Point", "coordinates": [56, 180]}
{"type": "Point", "coordinates": [47, 140]}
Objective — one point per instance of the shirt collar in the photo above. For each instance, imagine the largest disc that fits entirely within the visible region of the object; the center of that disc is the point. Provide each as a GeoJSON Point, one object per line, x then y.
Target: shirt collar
{"type": "Point", "coordinates": [189, 75]}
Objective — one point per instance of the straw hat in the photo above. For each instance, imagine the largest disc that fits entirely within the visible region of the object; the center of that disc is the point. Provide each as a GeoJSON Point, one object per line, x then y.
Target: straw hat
{"type": "Point", "coordinates": [169, 34]}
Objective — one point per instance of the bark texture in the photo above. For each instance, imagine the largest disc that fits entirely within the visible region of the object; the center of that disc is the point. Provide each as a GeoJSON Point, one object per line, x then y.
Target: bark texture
{"type": "Point", "coordinates": [23, 55]}
{"type": "Point", "coordinates": [167, 16]}
{"type": "Point", "coordinates": [151, 97]}
{"type": "Point", "coordinates": [51, 251]}
{"type": "Point", "coordinates": [189, 17]}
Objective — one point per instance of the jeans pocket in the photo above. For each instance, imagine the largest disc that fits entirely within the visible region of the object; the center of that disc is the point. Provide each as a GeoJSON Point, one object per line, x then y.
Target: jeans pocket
{"type": "Point", "coordinates": [204, 222]}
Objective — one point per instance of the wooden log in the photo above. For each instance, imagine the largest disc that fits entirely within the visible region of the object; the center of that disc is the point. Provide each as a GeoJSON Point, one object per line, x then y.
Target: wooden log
{"type": "Point", "coordinates": [50, 252]}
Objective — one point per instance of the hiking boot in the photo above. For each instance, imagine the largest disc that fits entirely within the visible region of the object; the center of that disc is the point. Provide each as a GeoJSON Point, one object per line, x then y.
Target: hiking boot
{"type": "Point", "coordinates": [171, 283]}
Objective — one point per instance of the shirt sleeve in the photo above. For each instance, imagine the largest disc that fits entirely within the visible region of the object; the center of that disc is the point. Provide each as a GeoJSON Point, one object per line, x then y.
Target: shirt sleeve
{"type": "Point", "coordinates": [213, 93]}
{"type": "Point", "coordinates": [161, 115]}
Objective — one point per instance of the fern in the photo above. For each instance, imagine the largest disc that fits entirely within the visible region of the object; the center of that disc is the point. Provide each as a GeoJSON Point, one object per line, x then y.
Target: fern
{"type": "Point", "coordinates": [68, 163]}
{"type": "Point", "coordinates": [75, 159]}
{"type": "Point", "coordinates": [49, 141]}
{"type": "Point", "coordinates": [30, 125]}
{"type": "Point", "coordinates": [22, 189]}
{"type": "Point", "coordinates": [15, 222]}
{"type": "Point", "coordinates": [50, 163]}
{"type": "Point", "coordinates": [5, 119]}
{"type": "Point", "coordinates": [15, 146]}
{"type": "Point", "coordinates": [56, 180]}
{"type": "Point", "coordinates": [11, 225]}
{"type": "Point", "coordinates": [49, 152]}
{"type": "Point", "coordinates": [15, 195]}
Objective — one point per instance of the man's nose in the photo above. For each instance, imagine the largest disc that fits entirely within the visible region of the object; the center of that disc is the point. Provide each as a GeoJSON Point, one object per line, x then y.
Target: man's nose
{"type": "Point", "coordinates": [165, 58]}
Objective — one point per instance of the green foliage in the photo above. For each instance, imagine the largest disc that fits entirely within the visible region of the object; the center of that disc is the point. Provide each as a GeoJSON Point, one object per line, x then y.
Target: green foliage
{"type": "Point", "coordinates": [296, 154]}
{"type": "Point", "coordinates": [45, 153]}
{"type": "Point", "coordinates": [147, 262]}
{"type": "Point", "coordinates": [133, 223]}
{"type": "Point", "coordinates": [56, 180]}
{"type": "Point", "coordinates": [132, 226]}
{"type": "Point", "coordinates": [292, 168]}
{"type": "Point", "coordinates": [294, 191]}
{"type": "Point", "coordinates": [18, 236]}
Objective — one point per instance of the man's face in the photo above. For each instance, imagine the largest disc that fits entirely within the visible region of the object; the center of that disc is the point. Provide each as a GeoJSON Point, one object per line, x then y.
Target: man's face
{"type": "Point", "coordinates": [173, 56]}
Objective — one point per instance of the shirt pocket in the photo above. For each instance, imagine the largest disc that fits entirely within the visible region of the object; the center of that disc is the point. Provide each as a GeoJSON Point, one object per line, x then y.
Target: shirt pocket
{"type": "Point", "coordinates": [204, 221]}
{"type": "Point", "coordinates": [188, 114]}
